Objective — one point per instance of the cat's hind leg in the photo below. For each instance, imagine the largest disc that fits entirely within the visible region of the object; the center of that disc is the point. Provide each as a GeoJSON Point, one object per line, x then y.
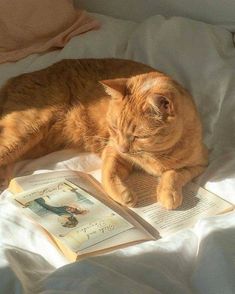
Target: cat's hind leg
{"type": "Point", "coordinates": [15, 141]}
{"type": "Point", "coordinates": [5, 176]}
{"type": "Point", "coordinates": [18, 134]}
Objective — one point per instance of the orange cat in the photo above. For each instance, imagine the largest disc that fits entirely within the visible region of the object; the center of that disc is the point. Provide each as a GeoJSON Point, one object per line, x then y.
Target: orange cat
{"type": "Point", "coordinates": [128, 112]}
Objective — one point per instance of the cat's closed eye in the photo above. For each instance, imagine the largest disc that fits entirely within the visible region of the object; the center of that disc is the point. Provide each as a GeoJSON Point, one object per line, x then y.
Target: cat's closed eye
{"type": "Point", "coordinates": [140, 137]}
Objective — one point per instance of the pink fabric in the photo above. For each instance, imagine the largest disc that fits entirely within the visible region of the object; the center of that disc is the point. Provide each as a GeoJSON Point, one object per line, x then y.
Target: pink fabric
{"type": "Point", "coordinates": [32, 26]}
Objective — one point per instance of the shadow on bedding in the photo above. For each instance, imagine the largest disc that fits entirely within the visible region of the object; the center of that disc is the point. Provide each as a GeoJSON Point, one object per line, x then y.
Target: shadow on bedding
{"type": "Point", "coordinates": [9, 283]}
{"type": "Point", "coordinates": [156, 269]}
{"type": "Point", "coordinates": [195, 261]}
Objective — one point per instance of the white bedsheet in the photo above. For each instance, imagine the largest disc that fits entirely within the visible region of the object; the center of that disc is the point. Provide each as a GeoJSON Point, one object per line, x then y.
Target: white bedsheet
{"type": "Point", "coordinates": [200, 260]}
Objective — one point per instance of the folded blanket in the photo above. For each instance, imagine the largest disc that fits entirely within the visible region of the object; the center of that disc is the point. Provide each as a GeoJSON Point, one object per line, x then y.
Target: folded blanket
{"type": "Point", "coordinates": [30, 26]}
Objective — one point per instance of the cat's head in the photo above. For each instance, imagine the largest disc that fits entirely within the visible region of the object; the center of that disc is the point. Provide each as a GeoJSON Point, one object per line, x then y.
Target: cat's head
{"type": "Point", "coordinates": [145, 113]}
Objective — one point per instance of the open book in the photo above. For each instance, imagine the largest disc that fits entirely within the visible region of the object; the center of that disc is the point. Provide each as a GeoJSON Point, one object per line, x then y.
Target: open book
{"type": "Point", "coordinates": [81, 220]}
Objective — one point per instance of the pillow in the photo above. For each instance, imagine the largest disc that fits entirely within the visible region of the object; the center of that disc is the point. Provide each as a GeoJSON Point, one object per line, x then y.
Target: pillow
{"type": "Point", "coordinates": [30, 26]}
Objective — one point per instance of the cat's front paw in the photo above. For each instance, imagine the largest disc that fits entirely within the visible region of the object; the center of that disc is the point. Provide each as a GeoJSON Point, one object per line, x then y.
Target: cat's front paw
{"type": "Point", "coordinates": [169, 198]}
{"type": "Point", "coordinates": [123, 196]}
{"type": "Point", "coordinates": [128, 199]}
{"type": "Point", "coordinates": [119, 192]}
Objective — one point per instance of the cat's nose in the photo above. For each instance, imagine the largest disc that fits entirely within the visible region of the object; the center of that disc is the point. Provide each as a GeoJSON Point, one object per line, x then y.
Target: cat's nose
{"type": "Point", "coordinates": [124, 148]}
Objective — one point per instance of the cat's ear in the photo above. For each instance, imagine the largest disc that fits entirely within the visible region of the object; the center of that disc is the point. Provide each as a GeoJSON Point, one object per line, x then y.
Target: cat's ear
{"type": "Point", "coordinates": [116, 88]}
{"type": "Point", "coordinates": [161, 104]}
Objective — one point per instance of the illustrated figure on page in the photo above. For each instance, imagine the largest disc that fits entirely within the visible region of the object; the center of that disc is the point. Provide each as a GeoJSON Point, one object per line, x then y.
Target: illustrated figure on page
{"type": "Point", "coordinates": [67, 214]}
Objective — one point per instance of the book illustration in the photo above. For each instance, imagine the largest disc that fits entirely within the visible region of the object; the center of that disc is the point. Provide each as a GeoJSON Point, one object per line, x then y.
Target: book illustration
{"type": "Point", "coordinates": [72, 214]}
{"type": "Point", "coordinates": [67, 214]}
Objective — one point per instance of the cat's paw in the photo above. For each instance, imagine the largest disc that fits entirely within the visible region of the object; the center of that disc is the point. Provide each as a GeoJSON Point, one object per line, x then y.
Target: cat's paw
{"type": "Point", "coordinates": [169, 198]}
{"type": "Point", "coordinates": [128, 199]}
{"type": "Point", "coordinates": [120, 193]}
{"type": "Point", "coordinates": [124, 197]}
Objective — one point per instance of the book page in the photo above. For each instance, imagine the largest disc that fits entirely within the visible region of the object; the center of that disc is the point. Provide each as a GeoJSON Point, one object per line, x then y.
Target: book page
{"type": "Point", "coordinates": [72, 215]}
{"type": "Point", "coordinates": [81, 179]}
{"type": "Point", "coordinates": [24, 183]}
{"type": "Point", "coordinates": [96, 174]}
{"type": "Point", "coordinates": [197, 203]}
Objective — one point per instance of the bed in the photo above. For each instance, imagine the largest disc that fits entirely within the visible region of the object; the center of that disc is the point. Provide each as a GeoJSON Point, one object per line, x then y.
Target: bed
{"type": "Point", "coordinates": [197, 51]}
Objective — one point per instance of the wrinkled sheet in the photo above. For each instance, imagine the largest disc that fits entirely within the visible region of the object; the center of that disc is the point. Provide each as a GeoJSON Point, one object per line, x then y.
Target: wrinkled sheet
{"type": "Point", "coordinates": [199, 260]}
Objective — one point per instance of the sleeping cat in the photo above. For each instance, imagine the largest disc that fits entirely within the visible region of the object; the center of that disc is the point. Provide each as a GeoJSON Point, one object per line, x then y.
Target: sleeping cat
{"type": "Point", "coordinates": [129, 113]}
